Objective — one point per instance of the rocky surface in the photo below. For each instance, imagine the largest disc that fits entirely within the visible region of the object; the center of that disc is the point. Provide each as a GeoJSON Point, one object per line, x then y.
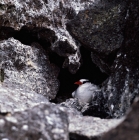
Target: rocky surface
{"type": "Point", "coordinates": [100, 29]}
{"type": "Point", "coordinates": [43, 122]}
{"type": "Point", "coordinates": [27, 68]}
{"type": "Point", "coordinates": [90, 127]}
{"type": "Point", "coordinates": [50, 14]}
{"type": "Point", "coordinates": [96, 108]}
{"type": "Point", "coordinates": [128, 129]}
{"type": "Point", "coordinates": [123, 84]}
{"type": "Point", "coordinates": [14, 99]}
{"type": "Point", "coordinates": [108, 29]}
{"type": "Point", "coordinates": [86, 127]}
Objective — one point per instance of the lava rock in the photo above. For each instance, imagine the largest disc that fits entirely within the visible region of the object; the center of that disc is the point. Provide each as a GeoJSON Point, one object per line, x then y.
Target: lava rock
{"type": "Point", "coordinates": [122, 86]}
{"type": "Point", "coordinates": [12, 100]}
{"type": "Point", "coordinates": [98, 106]}
{"type": "Point", "coordinates": [72, 55]}
{"type": "Point", "coordinates": [27, 68]}
{"type": "Point", "coordinates": [100, 29]}
{"type": "Point", "coordinates": [52, 15]}
{"type": "Point", "coordinates": [72, 103]}
{"type": "Point", "coordinates": [90, 128]}
{"type": "Point", "coordinates": [104, 62]}
{"type": "Point", "coordinates": [128, 129]}
{"type": "Point", "coordinates": [44, 121]}
{"type": "Point", "coordinates": [85, 127]}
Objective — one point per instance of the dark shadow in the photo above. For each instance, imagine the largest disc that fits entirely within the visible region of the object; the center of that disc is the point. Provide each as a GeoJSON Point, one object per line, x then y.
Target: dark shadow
{"type": "Point", "coordinates": [88, 70]}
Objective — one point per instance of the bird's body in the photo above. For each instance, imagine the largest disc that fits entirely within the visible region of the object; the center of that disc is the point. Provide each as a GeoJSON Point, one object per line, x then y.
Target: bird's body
{"type": "Point", "coordinates": [85, 92]}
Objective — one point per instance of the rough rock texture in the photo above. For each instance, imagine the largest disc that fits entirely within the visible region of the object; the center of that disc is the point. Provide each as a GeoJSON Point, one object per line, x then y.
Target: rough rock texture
{"type": "Point", "coordinates": [110, 31]}
{"type": "Point", "coordinates": [71, 103]}
{"type": "Point", "coordinates": [105, 28]}
{"type": "Point", "coordinates": [123, 84]}
{"type": "Point", "coordinates": [90, 128]}
{"type": "Point", "coordinates": [100, 29]}
{"type": "Point", "coordinates": [128, 129]}
{"type": "Point", "coordinates": [16, 99]}
{"type": "Point", "coordinates": [96, 108]}
{"type": "Point", "coordinates": [49, 14]}
{"type": "Point", "coordinates": [46, 122]}
{"type": "Point", "coordinates": [27, 68]}
{"type": "Point", "coordinates": [85, 127]}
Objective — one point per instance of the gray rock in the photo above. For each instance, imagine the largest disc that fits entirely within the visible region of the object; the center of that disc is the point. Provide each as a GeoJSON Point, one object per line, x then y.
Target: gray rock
{"type": "Point", "coordinates": [100, 29]}
{"type": "Point", "coordinates": [90, 128]}
{"type": "Point", "coordinates": [128, 129]}
{"type": "Point", "coordinates": [27, 68]}
{"type": "Point", "coordinates": [72, 103]}
{"type": "Point", "coordinates": [123, 84]}
{"type": "Point", "coordinates": [43, 122]}
{"type": "Point", "coordinates": [98, 106]}
{"type": "Point", "coordinates": [50, 14]}
{"type": "Point", "coordinates": [85, 127]}
{"type": "Point", "coordinates": [114, 48]}
{"type": "Point", "coordinates": [12, 100]}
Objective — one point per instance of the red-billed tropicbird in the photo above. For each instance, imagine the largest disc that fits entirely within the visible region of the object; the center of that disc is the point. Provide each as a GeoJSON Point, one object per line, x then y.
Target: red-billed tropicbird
{"type": "Point", "coordinates": [85, 92]}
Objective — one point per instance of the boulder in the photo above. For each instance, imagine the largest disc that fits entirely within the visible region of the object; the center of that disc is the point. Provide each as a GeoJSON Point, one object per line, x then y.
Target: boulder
{"type": "Point", "coordinates": [45, 121]}
{"type": "Point", "coordinates": [100, 29]}
{"type": "Point", "coordinates": [27, 68]}
{"type": "Point", "coordinates": [90, 128]}
{"type": "Point", "coordinates": [46, 14]}
{"type": "Point", "coordinates": [16, 99]}
{"type": "Point", "coordinates": [122, 86]}
{"type": "Point", "coordinates": [128, 129]}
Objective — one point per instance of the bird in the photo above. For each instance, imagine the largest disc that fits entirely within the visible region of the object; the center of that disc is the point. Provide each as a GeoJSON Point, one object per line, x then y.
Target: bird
{"type": "Point", "coordinates": [85, 92]}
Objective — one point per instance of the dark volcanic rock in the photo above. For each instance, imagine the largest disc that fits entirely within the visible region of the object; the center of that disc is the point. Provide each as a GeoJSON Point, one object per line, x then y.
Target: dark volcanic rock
{"type": "Point", "coordinates": [128, 129]}
{"type": "Point", "coordinates": [104, 62]}
{"type": "Point", "coordinates": [41, 122]}
{"type": "Point", "coordinates": [27, 68]}
{"type": "Point", "coordinates": [123, 84]}
{"type": "Point", "coordinates": [100, 29]}
{"type": "Point", "coordinates": [110, 31]}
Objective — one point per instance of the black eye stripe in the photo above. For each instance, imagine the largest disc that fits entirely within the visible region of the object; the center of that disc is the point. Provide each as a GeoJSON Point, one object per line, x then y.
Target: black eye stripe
{"type": "Point", "coordinates": [85, 82]}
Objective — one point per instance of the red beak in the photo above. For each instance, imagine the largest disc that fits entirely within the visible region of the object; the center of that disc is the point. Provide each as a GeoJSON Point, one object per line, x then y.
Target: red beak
{"type": "Point", "coordinates": [78, 83]}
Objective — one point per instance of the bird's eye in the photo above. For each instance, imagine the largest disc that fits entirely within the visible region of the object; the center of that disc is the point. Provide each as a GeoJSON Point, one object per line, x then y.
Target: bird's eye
{"type": "Point", "coordinates": [84, 82]}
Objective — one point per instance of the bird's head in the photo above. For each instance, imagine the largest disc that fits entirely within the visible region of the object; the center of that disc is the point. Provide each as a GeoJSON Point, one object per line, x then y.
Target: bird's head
{"type": "Point", "coordinates": [81, 81]}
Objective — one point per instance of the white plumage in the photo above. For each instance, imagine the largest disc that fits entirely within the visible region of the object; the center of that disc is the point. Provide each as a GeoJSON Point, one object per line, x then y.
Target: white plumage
{"type": "Point", "coordinates": [85, 92]}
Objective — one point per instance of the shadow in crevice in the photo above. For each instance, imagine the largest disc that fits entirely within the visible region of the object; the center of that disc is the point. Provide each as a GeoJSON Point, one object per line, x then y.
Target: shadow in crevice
{"type": "Point", "coordinates": [88, 70]}
{"type": "Point", "coordinates": [74, 136]}
{"type": "Point", "coordinates": [28, 35]}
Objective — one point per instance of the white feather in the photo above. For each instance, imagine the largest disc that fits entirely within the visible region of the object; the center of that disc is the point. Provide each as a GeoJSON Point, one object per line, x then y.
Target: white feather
{"type": "Point", "coordinates": [84, 93]}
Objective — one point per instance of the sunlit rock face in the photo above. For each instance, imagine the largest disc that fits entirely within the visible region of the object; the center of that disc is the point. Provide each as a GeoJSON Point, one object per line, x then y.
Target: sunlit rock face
{"type": "Point", "coordinates": [27, 68]}
{"type": "Point", "coordinates": [41, 122]}
{"type": "Point", "coordinates": [50, 14]}
{"type": "Point", "coordinates": [100, 29]}
{"type": "Point", "coordinates": [17, 99]}
{"type": "Point", "coordinates": [80, 127]}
